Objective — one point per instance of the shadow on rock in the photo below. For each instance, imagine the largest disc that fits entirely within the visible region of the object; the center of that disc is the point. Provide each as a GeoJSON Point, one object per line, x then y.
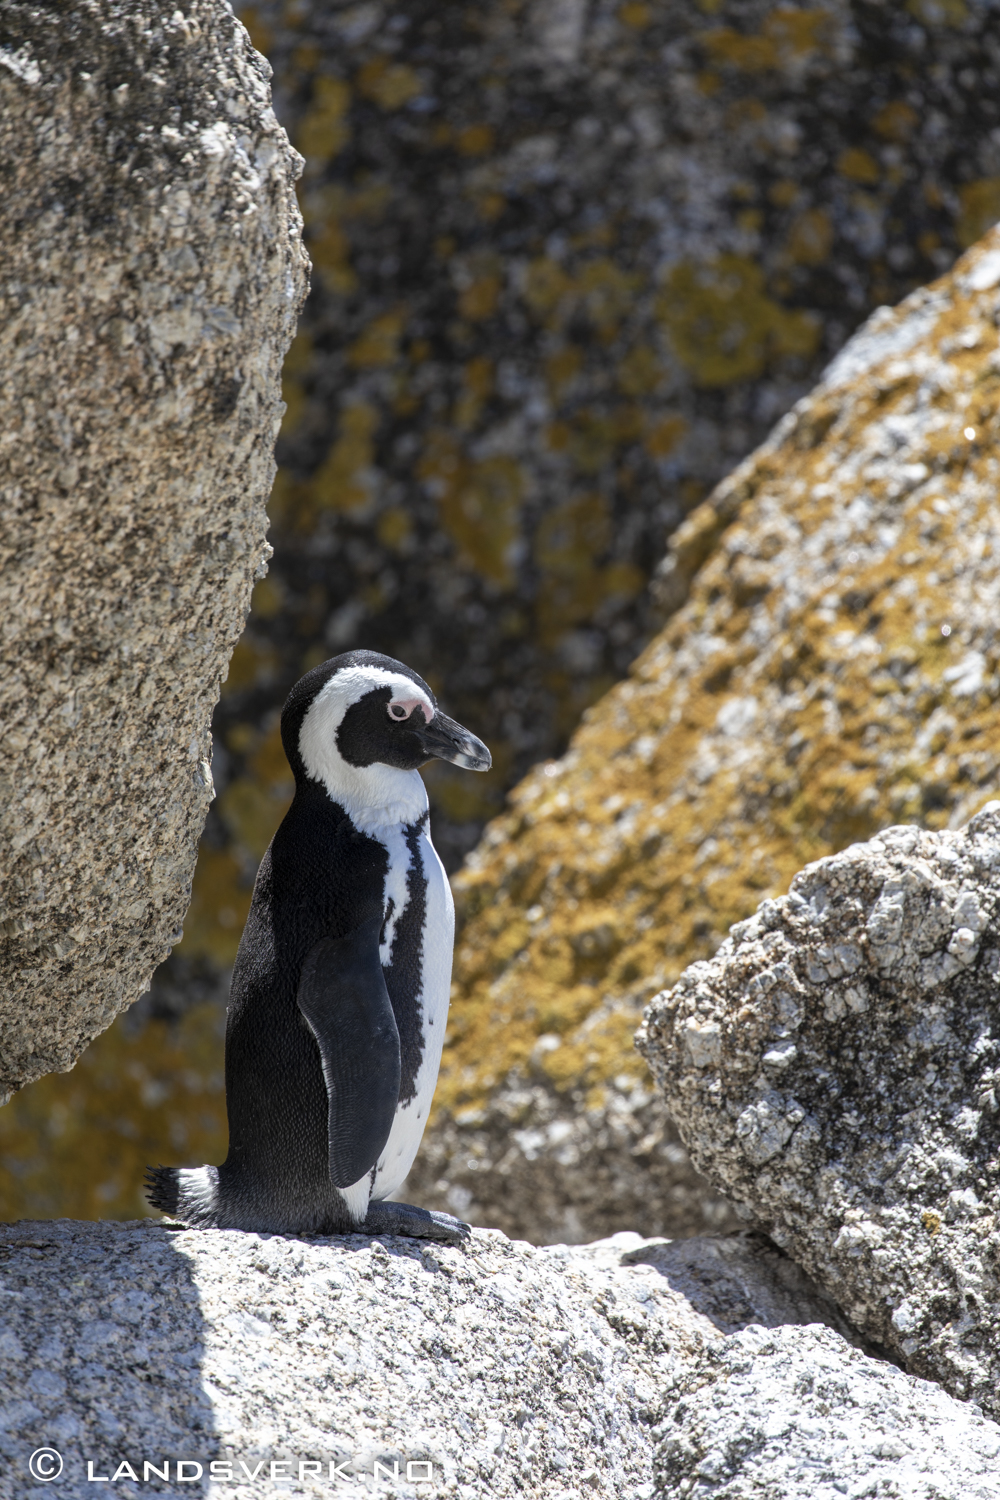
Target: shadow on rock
{"type": "Point", "coordinates": [741, 1279]}
{"type": "Point", "coordinates": [101, 1354]}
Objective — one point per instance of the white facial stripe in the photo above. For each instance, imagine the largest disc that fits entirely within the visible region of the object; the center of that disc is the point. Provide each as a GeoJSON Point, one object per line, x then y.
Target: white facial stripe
{"type": "Point", "coordinates": [376, 795]}
{"type": "Point", "coordinates": [349, 686]}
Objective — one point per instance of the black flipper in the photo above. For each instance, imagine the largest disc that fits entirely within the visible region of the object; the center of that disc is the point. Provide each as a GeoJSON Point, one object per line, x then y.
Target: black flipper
{"type": "Point", "coordinates": [343, 997]}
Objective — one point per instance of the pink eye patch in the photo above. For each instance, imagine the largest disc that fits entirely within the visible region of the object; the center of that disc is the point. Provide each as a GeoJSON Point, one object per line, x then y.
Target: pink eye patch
{"type": "Point", "coordinates": [402, 708]}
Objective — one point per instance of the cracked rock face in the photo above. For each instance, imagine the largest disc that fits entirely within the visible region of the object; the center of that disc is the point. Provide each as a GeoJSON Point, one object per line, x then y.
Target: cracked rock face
{"type": "Point", "coordinates": [152, 272]}
{"type": "Point", "coordinates": [835, 1070]}
{"type": "Point", "coordinates": [512, 1371]}
{"type": "Point", "coordinates": [798, 1413]}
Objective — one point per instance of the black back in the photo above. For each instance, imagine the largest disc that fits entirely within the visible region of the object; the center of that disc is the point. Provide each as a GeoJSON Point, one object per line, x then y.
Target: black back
{"type": "Point", "coordinates": [320, 878]}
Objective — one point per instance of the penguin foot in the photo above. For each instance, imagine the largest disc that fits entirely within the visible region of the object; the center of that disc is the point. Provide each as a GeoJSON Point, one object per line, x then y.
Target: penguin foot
{"type": "Point", "coordinates": [418, 1223]}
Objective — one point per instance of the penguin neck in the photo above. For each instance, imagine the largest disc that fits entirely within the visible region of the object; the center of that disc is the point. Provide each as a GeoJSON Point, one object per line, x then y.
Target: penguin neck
{"type": "Point", "coordinates": [376, 796]}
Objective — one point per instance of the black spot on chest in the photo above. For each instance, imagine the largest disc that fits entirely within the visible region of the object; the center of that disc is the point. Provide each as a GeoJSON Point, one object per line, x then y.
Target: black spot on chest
{"type": "Point", "coordinates": [404, 974]}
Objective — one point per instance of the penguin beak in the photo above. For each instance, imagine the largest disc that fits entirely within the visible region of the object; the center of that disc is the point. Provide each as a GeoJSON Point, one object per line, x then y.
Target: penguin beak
{"type": "Point", "coordinates": [446, 740]}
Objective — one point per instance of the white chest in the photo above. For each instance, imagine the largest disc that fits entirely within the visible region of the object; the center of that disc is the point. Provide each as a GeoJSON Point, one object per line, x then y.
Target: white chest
{"type": "Point", "coordinates": [416, 951]}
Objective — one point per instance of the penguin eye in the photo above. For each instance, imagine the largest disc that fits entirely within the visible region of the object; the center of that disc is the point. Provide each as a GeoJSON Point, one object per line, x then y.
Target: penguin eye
{"type": "Point", "coordinates": [401, 709]}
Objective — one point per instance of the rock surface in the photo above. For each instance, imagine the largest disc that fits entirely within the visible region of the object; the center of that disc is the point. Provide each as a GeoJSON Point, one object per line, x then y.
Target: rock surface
{"type": "Point", "coordinates": [525, 1163]}
{"type": "Point", "coordinates": [833, 671]}
{"type": "Point", "coordinates": [152, 272]}
{"type": "Point", "coordinates": [835, 1070]}
{"type": "Point", "coordinates": [797, 1414]}
{"type": "Point", "coordinates": [509, 1370]}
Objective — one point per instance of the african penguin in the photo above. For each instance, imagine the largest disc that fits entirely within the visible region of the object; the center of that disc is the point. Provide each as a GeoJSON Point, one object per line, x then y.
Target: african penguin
{"type": "Point", "coordinates": [340, 988]}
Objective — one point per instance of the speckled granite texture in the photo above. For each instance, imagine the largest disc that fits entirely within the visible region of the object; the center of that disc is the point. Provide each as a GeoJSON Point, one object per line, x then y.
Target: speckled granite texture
{"type": "Point", "coordinates": [152, 269]}
{"type": "Point", "coordinates": [509, 1370]}
{"type": "Point", "coordinates": [796, 1414]}
{"type": "Point", "coordinates": [834, 1069]}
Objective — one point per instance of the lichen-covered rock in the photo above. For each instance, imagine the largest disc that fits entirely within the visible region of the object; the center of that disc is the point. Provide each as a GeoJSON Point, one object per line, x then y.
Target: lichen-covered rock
{"type": "Point", "coordinates": [835, 669]}
{"type": "Point", "coordinates": [797, 1414]}
{"type": "Point", "coordinates": [507, 1370]}
{"type": "Point", "coordinates": [77, 1145]}
{"type": "Point", "coordinates": [152, 270]}
{"type": "Point", "coordinates": [572, 261]}
{"type": "Point", "coordinates": [835, 1070]}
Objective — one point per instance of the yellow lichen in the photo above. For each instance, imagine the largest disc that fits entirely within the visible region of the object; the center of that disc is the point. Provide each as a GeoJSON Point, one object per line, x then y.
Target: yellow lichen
{"type": "Point", "coordinates": [163, 1102]}
{"type": "Point", "coordinates": [475, 140]}
{"type": "Point", "coordinates": [379, 343]}
{"type": "Point", "coordinates": [783, 192]}
{"type": "Point", "coordinates": [477, 387]}
{"type": "Point", "coordinates": [788, 35]}
{"type": "Point", "coordinates": [342, 480]}
{"type": "Point", "coordinates": [220, 901]}
{"type": "Point", "coordinates": [489, 206]}
{"type": "Point", "coordinates": [572, 535]}
{"type": "Point", "coordinates": [251, 661]}
{"type": "Point", "coordinates": [896, 121]}
{"type": "Point", "coordinates": [635, 14]}
{"type": "Point", "coordinates": [260, 33]}
{"type": "Point", "coordinates": [479, 503]}
{"type": "Point", "coordinates": [268, 598]}
{"type": "Point", "coordinates": [858, 165]}
{"type": "Point", "coordinates": [568, 546]}
{"type": "Point", "coordinates": [254, 804]}
{"type": "Point", "coordinates": [330, 251]}
{"type": "Point", "coordinates": [723, 325]}
{"type": "Point", "coordinates": [731, 49]}
{"type": "Point", "coordinates": [979, 208]}
{"type": "Point", "coordinates": [664, 435]}
{"type": "Point", "coordinates": [479, 299]}
{"type": "Point", "coordinates": [394, 528]}
{"type": "Point", "coordinates": [389, 85]}
{"type": "Point", "coordinates": [323, 130]}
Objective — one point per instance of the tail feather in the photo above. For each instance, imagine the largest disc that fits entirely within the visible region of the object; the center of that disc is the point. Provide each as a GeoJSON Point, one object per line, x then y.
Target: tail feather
{"type": "Point", "coordinates": [190, 1194]}
{"type": "Point", "coordinates": [162, 1189]}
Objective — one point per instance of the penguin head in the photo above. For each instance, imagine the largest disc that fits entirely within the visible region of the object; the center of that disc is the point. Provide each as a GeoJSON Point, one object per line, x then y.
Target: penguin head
{"type": "Point", "coordinates": [362, 724]}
